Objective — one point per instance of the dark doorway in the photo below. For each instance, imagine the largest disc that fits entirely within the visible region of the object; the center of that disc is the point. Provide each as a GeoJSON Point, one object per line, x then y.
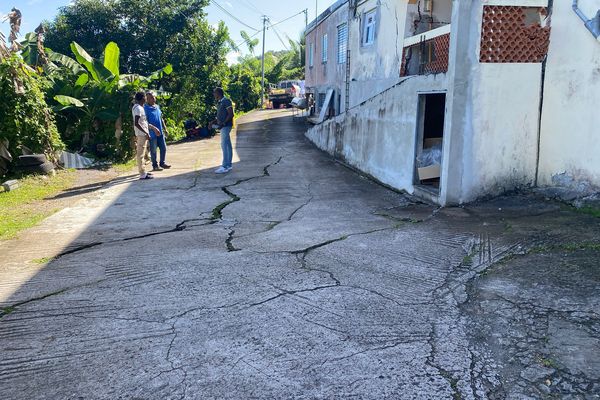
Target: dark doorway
{"type": "Point", "coordinates": [430, 136]}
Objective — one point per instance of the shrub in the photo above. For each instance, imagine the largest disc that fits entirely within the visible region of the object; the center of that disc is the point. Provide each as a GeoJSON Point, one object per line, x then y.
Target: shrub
{"type": "Point", "coordinates": [26, 121]}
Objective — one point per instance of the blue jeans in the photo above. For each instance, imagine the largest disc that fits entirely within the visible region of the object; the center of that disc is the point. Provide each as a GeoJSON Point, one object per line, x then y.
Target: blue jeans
{"type": "Point", "coordinates": [162, 145]}
{"type": "Point", "coordinates": [226, 147]}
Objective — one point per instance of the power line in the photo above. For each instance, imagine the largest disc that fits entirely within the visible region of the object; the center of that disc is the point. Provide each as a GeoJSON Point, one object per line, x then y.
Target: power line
{"type": "Point", "coordinates": [279, 37]}
{"type": "Point", "coordinates": [287, 19]}
{"type": "Point", "coordinates": [232, 16]}
{"type": "Point", "coordinates": [249, 38]}
{"type": "Point", "coordinates": [253, 7]}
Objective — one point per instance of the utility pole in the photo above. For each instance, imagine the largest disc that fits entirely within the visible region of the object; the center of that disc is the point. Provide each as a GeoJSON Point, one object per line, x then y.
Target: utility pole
{"type": "Point", "coordinates": [262, 96]}
{"type": "Point", "coordinates": [305, 18]}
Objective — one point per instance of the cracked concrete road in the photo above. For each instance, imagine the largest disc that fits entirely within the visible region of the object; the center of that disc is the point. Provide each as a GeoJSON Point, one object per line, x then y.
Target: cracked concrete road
{"type": "Point", "coordinates": [294, 278]}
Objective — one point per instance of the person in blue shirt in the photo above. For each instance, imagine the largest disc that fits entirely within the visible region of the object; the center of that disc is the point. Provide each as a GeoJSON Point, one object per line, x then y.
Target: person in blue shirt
{"type": "Point", "coordinates": [157, 139]}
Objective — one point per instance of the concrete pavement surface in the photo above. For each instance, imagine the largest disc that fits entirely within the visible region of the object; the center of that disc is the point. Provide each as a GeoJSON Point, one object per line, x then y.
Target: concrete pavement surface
{"type": "Point", "coordinates": [292, 277]}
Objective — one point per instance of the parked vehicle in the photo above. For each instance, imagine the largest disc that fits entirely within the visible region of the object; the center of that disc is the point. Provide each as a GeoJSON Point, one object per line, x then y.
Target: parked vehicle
{"type": "Point", "coordinates": [285, 93]}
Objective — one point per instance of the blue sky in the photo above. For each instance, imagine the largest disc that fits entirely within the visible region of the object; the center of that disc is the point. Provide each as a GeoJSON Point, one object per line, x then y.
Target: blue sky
{"type": "Point", "coordinates": [248, 11]}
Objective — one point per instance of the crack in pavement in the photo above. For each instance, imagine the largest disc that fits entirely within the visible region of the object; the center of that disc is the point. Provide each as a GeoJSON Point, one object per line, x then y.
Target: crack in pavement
{"type": "Point", "coordinates": [178, 228]}
{"type": "Point", "coordinates": [285, 292]}
{"type": "Point", "coordinates": [447, 375]}
{"type": "Point", "coordinates": [217, 214]}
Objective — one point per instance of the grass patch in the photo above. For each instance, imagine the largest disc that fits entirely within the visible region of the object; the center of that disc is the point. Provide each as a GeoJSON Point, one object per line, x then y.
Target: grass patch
{"type": "Point", "coordinates": [595, 212]}
{"type": "Point", "coordinates": [20, 209]}
{"type": "Point", "coordinates": [44, 260]}
{"type": "Point", "coordinates": [467, 260]}
{"type": "Point", "coordinates": [547, 362]}
{"type": "Point", "coordinates": [569, 247]}
{"type": "Point", "coordinates": [6, 310]}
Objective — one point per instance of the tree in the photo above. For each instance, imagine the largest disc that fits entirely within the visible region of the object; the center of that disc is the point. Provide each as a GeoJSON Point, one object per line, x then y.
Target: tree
{"type": "Point", "coordinates": [251, 43]}
{"type": "Point", "coordinates": [26, 121]}
{"type": "Point", "coordinates": [96, 98]}
{"type": "Point", "coordinates": [147, 30]}
{"type": "Point", "coordinates": [244, 88]}
{"type": "Point", "coordinates": [151, 34]}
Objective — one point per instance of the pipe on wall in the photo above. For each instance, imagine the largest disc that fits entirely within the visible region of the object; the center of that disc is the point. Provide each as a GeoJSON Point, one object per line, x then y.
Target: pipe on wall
{"type": "Point", "coordinates": [593, 25]}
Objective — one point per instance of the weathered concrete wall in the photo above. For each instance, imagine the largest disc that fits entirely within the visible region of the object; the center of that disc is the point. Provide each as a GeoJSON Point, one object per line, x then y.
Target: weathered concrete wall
{"type": "Point", "coordinates": [440, 15]}
{"type": "Point", "coordinates": [378, 136]}
{"type": "Point", "coordinates": [331, 74]}
{"type": "Point", "coordinates": [493, 119]}
{"type": "Point", "coordinates": [570, 143]}
{"type": "Point", "coordinates": [376, 67]}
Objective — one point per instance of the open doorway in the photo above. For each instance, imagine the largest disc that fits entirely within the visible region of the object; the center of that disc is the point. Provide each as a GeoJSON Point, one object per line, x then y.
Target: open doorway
{"type": "Point", "coordinates": [430, 136]}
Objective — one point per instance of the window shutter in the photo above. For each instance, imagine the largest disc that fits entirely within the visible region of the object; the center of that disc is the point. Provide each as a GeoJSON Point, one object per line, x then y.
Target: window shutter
{"type": "Point", "coordinates": [342, 43]}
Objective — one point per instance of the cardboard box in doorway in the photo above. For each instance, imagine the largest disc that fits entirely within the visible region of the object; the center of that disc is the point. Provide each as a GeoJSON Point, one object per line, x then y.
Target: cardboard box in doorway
{"type": "Point", "coordinates": [431, 172]}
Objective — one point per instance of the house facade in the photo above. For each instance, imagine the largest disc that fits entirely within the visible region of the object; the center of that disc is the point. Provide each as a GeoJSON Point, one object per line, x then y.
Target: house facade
{"type": "Point", "coordinates": [498, 93]}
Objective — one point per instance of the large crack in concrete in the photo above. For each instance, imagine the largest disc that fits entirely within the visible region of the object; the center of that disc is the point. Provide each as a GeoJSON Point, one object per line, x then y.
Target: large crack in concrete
{"type": "Point", "coordinates": [217, 214]}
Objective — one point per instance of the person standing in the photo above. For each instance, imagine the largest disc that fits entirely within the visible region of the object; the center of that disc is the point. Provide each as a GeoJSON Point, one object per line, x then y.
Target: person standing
{"type": "Point", "coordinates": [142, 133]}
{"type": "Point", "coordinates": [224, 122]}
{"type": "Point", "coordinates": [157, 139]}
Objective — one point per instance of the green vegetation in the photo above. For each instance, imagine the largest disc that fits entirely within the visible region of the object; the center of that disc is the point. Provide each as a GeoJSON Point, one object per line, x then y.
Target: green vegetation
{"type": "Point", "coordinates": [547, 362]}
{"type": "Point", "coordinates": [73, 85]}
{"type": "Point", "coordinates": [595, 212]}
{"type": "Point", "coordinates": [568, 247]}
{"type": "Point", "coordinates": [94, 99]}
{"type": "Point", "coordinates": [20, 209]}
{"type": "Point", "coordinates": [26, 121]}
{"type": "Point", "coordinates": [44, 260]}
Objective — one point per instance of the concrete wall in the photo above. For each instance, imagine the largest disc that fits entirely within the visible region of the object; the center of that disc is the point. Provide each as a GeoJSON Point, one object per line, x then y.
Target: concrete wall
{"type": "Point", "coordinates": [440, 15]}
{"type": "Point", "coordinates": [376, 67]}
{"type": "Point", "coordinates": [379, 136]}
{"type": "Point", "coordinates": [492, 126]}
{"type": "Point", "coordinates": [330, 75]}
{"type": "Point", "coordinates": [570, 142]}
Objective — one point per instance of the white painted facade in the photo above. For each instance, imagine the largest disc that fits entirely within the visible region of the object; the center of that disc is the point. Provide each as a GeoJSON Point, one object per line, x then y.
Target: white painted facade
{"type": "Point", "coordinates": [498, 135]}
{"type": "Point", "coordinates": [570, 134]}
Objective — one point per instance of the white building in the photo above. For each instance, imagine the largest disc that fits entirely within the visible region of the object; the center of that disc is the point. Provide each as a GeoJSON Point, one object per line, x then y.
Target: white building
{"type": "Point", "coordinates": [507, 87]}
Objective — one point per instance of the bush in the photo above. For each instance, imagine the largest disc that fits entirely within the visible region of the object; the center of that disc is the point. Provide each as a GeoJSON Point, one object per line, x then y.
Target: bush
{"type": "Point", "coordinates": [175, 129]}
{"type": "Point", "coordinates": [244, 89]}
{"type": "Point", "coordinates": [26, 121]}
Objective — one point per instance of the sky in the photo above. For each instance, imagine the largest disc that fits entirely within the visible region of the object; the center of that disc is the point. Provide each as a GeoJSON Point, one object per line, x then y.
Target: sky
{"type": "Point", "coordinates": [247, 11]}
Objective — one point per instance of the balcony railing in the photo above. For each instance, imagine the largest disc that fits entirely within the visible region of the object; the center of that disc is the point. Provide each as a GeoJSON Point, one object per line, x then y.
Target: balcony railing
{"type": "Point", "coordinates": [426, 53]}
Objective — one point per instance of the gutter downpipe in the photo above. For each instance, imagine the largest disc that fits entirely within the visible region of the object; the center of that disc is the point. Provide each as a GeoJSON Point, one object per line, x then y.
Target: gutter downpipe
{"type": "Point", "coordinates": [592, 25]}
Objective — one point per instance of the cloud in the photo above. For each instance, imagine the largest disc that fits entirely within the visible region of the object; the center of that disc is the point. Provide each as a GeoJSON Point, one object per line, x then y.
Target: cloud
{"type": "Point", "coordinates": [229, 4]}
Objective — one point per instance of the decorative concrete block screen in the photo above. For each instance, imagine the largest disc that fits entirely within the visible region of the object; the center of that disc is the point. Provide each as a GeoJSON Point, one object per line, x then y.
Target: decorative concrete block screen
{"type": "Point", "coordinates": [427, 57]}
{"type": "Point", "coordinates": [514, 34]}
{"type": "Point", "coordinates": [441, 48]}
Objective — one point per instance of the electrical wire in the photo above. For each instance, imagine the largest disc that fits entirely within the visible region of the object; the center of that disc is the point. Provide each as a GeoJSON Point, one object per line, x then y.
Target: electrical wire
{"type": "Point", "coordinates": [287, 19]}
{"type": "Point", "coordinates": [279, 37]}
{"type": "Point", "coordinates": [249, 38]}
{"type": "Point", "coordinates": [253, 7]}
{"type": "Point", "coordinates": [220, 7]}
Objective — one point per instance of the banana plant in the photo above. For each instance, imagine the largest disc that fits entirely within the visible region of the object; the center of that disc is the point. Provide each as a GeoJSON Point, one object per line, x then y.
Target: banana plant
{"type": "Point", "coordinates": [97, 93]}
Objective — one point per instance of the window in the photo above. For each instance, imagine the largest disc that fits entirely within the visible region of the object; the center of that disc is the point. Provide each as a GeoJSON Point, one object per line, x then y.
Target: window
{"type": "Point", "coordinates": [311, 55]}
{"type": "Point", "coordinates": [369, 28]}
{"type": "Point", "coordinates": [342, 43]}
{"type": "Point", "coordinates": [324, 49]}
{"type": "Point", "coordinates": [321, 100]}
